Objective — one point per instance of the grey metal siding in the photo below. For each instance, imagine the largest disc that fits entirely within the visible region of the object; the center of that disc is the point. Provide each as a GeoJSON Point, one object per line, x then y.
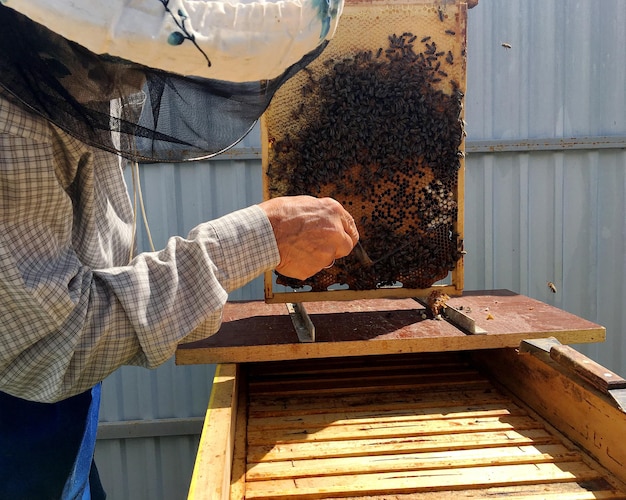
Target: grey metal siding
{"type": "Point", "coordinates": [544, 201]}
{"type": "Point", "coordinates": [553, 216]}
{"type": "Point", "coordinates": [564, 75]}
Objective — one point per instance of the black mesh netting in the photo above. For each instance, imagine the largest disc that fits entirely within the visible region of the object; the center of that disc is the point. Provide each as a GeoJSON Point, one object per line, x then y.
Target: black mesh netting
{"type": "Point", "coordinates": [140, 113]}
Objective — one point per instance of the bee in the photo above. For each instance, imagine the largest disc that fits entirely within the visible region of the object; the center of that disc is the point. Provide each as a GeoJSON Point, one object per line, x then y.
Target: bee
{"type": "Point", "coordinates": [506, 45]}
{"type": "Point", "coordinates": [552, 286]}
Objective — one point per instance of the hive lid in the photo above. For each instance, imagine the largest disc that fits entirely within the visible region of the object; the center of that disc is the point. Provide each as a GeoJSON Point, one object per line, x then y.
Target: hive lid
{"type": "Point", "coordinates": [256, 331]}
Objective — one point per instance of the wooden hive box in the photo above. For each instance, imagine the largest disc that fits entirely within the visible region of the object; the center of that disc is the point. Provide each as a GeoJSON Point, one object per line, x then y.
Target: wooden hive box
{"type": "Point", "coordinates": [479, 424]}
{"type": "Point", "coordinates": [388, 405]}
{"type": "Point", "coordinates": [376, 123]}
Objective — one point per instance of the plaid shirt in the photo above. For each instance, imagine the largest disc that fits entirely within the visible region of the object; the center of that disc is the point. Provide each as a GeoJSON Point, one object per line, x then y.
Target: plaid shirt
{"type": "Point", "coordinates": [72, 308]}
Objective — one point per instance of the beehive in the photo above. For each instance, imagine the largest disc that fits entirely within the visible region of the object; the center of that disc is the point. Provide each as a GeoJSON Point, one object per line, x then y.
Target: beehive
{"type": "Point", "coordinates": [376, 123]}
{"type": "Point", "coordinates": [433, 426]}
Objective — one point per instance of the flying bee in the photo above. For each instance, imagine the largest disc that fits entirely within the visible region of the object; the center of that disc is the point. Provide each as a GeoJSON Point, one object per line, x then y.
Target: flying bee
{"type": "Point", "coordinates": [552, 286]}
{"type": "Point", "coordinates": [506, 45]}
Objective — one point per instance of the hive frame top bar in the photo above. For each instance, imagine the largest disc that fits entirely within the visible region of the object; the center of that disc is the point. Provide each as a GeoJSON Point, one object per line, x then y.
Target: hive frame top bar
{"type": "Point", "coordinates": [441, 3]}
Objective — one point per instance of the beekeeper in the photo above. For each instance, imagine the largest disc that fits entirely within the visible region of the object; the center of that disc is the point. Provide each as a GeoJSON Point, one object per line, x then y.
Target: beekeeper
{"type": "Point", "coordinates": [87, 88]}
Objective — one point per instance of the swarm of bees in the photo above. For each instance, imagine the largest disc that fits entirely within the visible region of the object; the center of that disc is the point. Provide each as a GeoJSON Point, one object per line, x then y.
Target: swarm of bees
{"type": "Point", "coordinates": [380, 131]}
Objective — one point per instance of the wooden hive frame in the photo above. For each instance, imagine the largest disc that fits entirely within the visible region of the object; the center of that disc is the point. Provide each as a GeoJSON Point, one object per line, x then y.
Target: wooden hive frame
{"type": "Point", "coordinates": [429, 426]}
{"type": "Point", "coordinates": [376, 35]}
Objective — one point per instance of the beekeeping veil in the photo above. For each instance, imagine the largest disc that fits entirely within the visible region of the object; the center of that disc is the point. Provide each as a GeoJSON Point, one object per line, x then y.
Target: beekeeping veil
{"type": "Point", "coordinates": [157, 80]}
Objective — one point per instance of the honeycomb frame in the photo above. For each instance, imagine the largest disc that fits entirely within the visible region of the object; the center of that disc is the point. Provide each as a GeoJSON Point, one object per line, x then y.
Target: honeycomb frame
{"type": "Point", "coordinates": [376, 122]}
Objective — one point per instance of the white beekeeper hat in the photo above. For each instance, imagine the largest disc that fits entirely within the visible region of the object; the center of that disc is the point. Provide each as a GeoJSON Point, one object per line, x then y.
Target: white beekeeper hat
{"type": "Point", "coordinates": [187, 78]}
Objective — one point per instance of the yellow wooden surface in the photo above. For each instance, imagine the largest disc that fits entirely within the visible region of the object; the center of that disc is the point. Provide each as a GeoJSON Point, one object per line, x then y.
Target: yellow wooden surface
{"type": "Point", "coordinates": [416, 426]}
{"type": "Point", "coordinates": [426, 426]}
{"type": "Point", "coordinates": [212, 471]}
{"type": "Point", "coordinates": [238, 476]}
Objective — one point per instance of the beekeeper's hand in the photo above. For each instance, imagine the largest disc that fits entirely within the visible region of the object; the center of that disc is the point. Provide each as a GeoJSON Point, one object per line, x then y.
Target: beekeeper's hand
{"type": "Point", "coordinates": [310, 232]}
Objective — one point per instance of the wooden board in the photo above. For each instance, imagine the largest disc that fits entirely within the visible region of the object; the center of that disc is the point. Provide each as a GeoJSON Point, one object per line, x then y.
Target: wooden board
{"type": "Point", "coordinates": [581, 411]}
{"type": "Point", "coordinates": [427, 425]}
{"type": "Point", "coordinates": [256, 331]}
{"type": "Point", "coordinates": [212, 470]}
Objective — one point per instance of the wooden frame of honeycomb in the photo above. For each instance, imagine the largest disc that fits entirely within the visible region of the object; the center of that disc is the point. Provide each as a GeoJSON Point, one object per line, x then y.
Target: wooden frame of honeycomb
{"type": "Point", "coordinates": [376, 122]}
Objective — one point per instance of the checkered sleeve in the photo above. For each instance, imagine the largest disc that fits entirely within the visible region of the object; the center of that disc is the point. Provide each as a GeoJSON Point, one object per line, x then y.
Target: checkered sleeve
{"type": "Point", "coordinates": [169, 294]}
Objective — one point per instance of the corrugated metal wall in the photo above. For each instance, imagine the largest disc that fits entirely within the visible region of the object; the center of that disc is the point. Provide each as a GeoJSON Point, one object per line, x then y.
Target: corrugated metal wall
{"type": "Point", "coordinates": [546, 166]}
{"type": "Point", "coordinates": [545, 201]}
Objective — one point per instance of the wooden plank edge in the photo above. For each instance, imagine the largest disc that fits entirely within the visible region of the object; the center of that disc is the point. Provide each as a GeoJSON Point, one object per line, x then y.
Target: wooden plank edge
{"type": "Point", "coordinates": [238, 478]}
{"type": "Point", "coordinates": [552, 491]}
{"type": "Point", "coordinates": [423, 481]}
{"type": "Point", "coordinates": [211, 475]}
{"type": "Point", "coordinates": [373, 416]}
{"type": "Point", "coordinates": [395, 445]}
{"type": "Point", "coordinates": [504, 455]}
{"type": "Point", "coordinates": [416, 430]}
{"type": "Point", "coordinates": [274, 297]}
{"type": "Point", "coordinates": [283, 352]}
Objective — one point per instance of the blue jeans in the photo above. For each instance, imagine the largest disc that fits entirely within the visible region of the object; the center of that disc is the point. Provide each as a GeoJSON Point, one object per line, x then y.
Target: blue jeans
{"type": "Point", "coordinates": [46, 450]}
